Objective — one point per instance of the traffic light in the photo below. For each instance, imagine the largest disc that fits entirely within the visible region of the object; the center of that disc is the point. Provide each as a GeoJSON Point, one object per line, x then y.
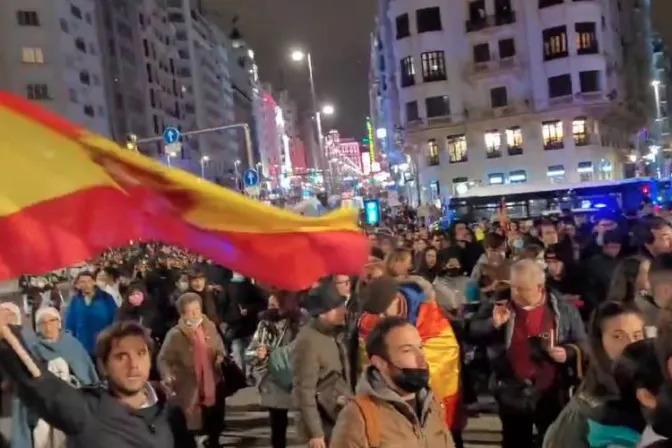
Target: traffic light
{"type": "Point", "coordinates": [132, 142]}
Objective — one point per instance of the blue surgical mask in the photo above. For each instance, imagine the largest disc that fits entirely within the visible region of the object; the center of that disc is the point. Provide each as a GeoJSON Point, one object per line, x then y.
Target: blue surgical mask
{"type": "Point", "coordinates": [518, 244]}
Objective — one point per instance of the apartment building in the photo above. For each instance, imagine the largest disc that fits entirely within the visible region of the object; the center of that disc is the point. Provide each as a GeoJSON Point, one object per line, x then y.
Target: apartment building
{"type": "Point", "coordinates": [497, 92]}
{"type": "Point", "coordinates": [51, 54]}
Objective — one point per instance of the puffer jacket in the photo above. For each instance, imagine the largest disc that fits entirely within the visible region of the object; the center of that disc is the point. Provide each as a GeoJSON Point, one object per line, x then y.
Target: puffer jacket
{"type": "Point", "coordinates": [399, 424]}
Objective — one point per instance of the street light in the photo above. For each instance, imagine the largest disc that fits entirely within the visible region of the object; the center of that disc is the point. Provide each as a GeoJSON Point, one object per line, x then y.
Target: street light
{"type": "Point", "coordinates": [169, 156]}
{"type": "Point", "coordinates": [298, 56]}
{"type": "Point", "coordinates": [328, 109]}
{"type": "Point", "coordinates": [204, 160]}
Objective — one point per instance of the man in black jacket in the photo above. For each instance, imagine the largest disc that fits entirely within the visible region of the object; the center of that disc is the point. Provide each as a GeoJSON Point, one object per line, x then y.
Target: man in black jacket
{"type": "Point", "coordinates": [127, 412]}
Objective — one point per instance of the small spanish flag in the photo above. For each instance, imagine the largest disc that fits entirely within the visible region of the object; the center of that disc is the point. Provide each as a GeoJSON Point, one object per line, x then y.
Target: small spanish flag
{"type": "Point", "coordinates": [66, 195]}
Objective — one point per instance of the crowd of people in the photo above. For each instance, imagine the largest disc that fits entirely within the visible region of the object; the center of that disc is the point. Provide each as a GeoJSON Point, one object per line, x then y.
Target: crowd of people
{"type": "Point", "coordinates": [565, 322]}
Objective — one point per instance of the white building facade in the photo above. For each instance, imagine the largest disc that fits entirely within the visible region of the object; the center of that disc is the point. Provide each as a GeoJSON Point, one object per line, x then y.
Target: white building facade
{"type": "Point", "coordinates": [50, 54]}
{"type": "Point", "coordinates": [503, 92]}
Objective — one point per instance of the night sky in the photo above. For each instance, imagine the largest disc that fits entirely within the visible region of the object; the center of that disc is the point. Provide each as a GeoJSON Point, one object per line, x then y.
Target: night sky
{"type": "Point", "coordinates": [337, 34]}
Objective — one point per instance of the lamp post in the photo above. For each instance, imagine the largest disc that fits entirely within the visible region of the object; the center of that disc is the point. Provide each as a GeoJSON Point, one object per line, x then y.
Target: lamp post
{"type": "Point", "coordinates": [236, 164]}
{"type": "Point", "coordinates": [169, 156]}
{"type": "Point", "coordinates": [204, 160]}
{"type": "Point", "coordinates": [659, 126]}
{"type": "Point", "coordinates": [299, 56]}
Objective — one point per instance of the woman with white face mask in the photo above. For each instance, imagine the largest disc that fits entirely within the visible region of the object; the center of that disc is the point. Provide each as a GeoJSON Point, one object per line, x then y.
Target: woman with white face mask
{"type": "Point", "coordinates": [189, 363]}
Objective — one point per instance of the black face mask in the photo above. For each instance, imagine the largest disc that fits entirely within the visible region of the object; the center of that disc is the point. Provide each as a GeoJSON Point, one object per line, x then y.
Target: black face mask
{"type": "Point", "coordinates": [411, 380]}
{"type": "Point", "coordinates": [452, 272]}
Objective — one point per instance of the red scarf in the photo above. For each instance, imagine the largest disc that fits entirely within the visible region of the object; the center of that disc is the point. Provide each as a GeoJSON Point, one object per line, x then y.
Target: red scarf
{"type": "Point", "coordinates": [203, 366]}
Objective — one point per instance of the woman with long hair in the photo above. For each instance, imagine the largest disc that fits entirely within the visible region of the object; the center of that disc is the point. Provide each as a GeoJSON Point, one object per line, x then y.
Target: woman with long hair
{"type": "Point", "coordinates": [429, 267]}
{"type": "Point", "coordinates": [276, 331]}
{"type": "Point", "coordinates": [613, 327]}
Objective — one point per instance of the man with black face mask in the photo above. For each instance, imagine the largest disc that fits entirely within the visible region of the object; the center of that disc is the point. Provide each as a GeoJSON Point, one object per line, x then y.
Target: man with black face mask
{"type": "Point", "coordinates": [393, 395]}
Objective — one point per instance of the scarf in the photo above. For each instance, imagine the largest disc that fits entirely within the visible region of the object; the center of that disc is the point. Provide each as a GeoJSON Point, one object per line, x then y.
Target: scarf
{"type": "Point", "coordinates": [205, 374]}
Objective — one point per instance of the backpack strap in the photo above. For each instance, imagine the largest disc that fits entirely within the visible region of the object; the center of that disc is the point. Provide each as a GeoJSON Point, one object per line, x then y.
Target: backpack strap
{"type": "Point", "coordinates": [369, 412]}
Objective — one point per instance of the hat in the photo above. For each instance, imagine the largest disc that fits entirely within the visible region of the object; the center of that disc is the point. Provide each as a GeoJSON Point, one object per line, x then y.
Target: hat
{"type": "Point", "coordinates": [322, 299]}
{"type": "Point", "coordinates": [379, 294]}
{"type": "Point", "coordinates": [195, 273]}
{"type": "Point", "coordinates": [12, 308]}
{"type": "Point", "coordinates": [47, 312]}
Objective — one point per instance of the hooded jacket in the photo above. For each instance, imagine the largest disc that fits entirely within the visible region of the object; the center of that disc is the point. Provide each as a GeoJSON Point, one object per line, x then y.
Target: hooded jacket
{"type": "Point", "coordinates": [399, 424]}
{"type": "Point", "coordinates": [441, 348]}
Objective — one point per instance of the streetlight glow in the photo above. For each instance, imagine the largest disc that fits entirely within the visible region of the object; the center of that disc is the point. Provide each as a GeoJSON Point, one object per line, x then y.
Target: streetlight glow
{"type": "Point", "coordinates": [298, 55]}
{"type": "Point", "coordinates": [328, 109]}
{"type": "Point", "coordinates": [205, 158]}
{"type": "Point", "coordinates": [655, 83]}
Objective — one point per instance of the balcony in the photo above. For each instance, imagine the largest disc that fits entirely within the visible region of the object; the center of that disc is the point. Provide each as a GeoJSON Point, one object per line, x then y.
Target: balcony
{"type": "Point", "coordinates": [472, 26]}
{"type": "Point", "coordinates": [494, 67]}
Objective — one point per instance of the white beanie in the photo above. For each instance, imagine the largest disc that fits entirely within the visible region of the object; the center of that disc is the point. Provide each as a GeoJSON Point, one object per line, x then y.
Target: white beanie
{"type": "Point", "coordinates": [12, 308]}
{"type": "Point", "coordinates": [46, 311]}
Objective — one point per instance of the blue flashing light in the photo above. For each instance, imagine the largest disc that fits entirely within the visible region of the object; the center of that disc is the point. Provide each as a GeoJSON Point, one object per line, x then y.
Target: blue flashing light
{"type": "Point", "coordinates": [600, 206]}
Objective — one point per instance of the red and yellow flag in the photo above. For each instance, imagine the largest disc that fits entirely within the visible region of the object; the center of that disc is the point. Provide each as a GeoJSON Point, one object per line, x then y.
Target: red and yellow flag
{"type": "Point", "coordinates": [66, 195]}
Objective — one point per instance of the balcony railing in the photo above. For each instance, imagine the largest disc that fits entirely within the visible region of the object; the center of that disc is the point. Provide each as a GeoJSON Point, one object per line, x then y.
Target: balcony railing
{"type": "Point", "coordinates": [494, 66]}
{"type": "Point", "coordinates": [490, 21]}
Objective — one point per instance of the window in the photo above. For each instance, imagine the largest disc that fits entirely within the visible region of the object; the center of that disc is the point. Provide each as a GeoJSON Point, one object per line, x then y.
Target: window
{"type": "Point", "coordinates": [507, 48]}
{"type": "Point", "coordinates": [559, 86]}
{"type": "Point", "coordinates": [496, 178]}
{"type": "Point", "coordinates": [493, 144]}
{"type": "Point", "coordinates": [580, 131]}
{"type": "Point", "coordinates": [437, 106]}
{"type": "Point", "coordinates": [72, 94]}
{"type": "Point", "coordinates": [84, 77]}
{"type": "Point", "coordinates": [551, 132]}
{"type": "Point", "coordinates": [89, 20]}
{"type": "Point", "coordinates": [432, 153]}
{"type": "Point", "coordinates": [407, 72]}
{"type": "Point", "coordinates": [514, 141]}
{"type": "Point", "coordinates": [585, 170]}
{"type": "Point", "coordinates": [149, 73]}
{"type": "Point", "coordinates": [481, 53]}
{"type": "Point", "coordinates": [433, 66]}
{"type": "Point", "coordinates": [175, 17]}
{"type": "Point", "coordinates": [75, 11]}
{"type": "Point", "coordinates": [517, 177]}
{"type": "Point", "coordinates": [27, 18]}
{"type": "Point", "coordinates": [145, 46]}
{"type": "Point", "coordinates": [412, 113]}
{"type": "Point", "coordinates": [88, 110]}
{"type": "Point", "coordinates": [428, 19]}
{"type": "Point", "coordinates": [403, 26]}
{"type": "Point", "coordinates": [556, 174]}
{"type": "Point", "coordinates": [457, 148]}
{"type": "Point", "coordinates": [37, 91]}
{"type": "Point", "coordinates": [80, 44]}
{"type": "Point", "coordinates": [32, 55]}
{"type": "Point", "coordinates": [64, 25]}
{"type": "Point", "coordinates": [590, 81]}
{"type": "Point", "coordinates": [155, 120]}
{"type": "Point", "coordinates": [586, 38]}
{"type": "Point", "coordinates": [547, 3]}
{"type": "Point", "coordinates": [555, 43]}
{"type": "Point", "coordinates": [498, 97]}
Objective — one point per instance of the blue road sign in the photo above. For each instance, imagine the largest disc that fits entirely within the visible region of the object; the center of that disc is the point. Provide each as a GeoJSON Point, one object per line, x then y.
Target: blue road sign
{"type": "Point", "coordinates": [171, 135]}
{"type": "Point", "coordinates": [250, 178]}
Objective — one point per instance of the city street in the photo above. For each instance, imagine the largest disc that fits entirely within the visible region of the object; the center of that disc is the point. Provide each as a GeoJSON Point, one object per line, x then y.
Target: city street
{"type": "Point", "coordinates": [247, 426]}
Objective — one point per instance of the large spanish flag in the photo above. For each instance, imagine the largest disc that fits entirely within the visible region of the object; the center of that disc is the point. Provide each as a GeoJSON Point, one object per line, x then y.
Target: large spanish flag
{"type": "Point", "coordinates": [66, 195]}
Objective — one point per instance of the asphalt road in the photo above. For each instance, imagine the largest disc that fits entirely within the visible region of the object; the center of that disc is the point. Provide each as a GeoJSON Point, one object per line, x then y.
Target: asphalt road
{"type": "Point", "coordinates": [247, 426]}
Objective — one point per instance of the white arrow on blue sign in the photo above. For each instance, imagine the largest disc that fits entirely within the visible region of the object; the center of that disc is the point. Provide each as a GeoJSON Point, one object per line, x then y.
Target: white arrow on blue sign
{"type": "Point", "coordinates": [250, 178]}
{"type": "Point", "coordinates": [171, 135]}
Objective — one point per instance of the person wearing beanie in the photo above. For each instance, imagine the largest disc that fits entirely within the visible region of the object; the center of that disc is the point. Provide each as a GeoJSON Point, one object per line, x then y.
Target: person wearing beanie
{"type": "Point", "coordinates": [65, 357]}
{"type": "Point", "coordinates": [414, 299]}
{"type": "Point", "coordinates": [320, 386]}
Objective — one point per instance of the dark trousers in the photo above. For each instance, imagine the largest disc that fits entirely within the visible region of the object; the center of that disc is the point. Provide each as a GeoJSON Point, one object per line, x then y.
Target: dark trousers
{"type": "Point", "coordinates": [517, 425]}
{"type": "Point", "coordinates": [213, 418]}
{"type": "Point", "coordinates": [457, 439]}
{"type": "Point", "coordinates": [279, 421]}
